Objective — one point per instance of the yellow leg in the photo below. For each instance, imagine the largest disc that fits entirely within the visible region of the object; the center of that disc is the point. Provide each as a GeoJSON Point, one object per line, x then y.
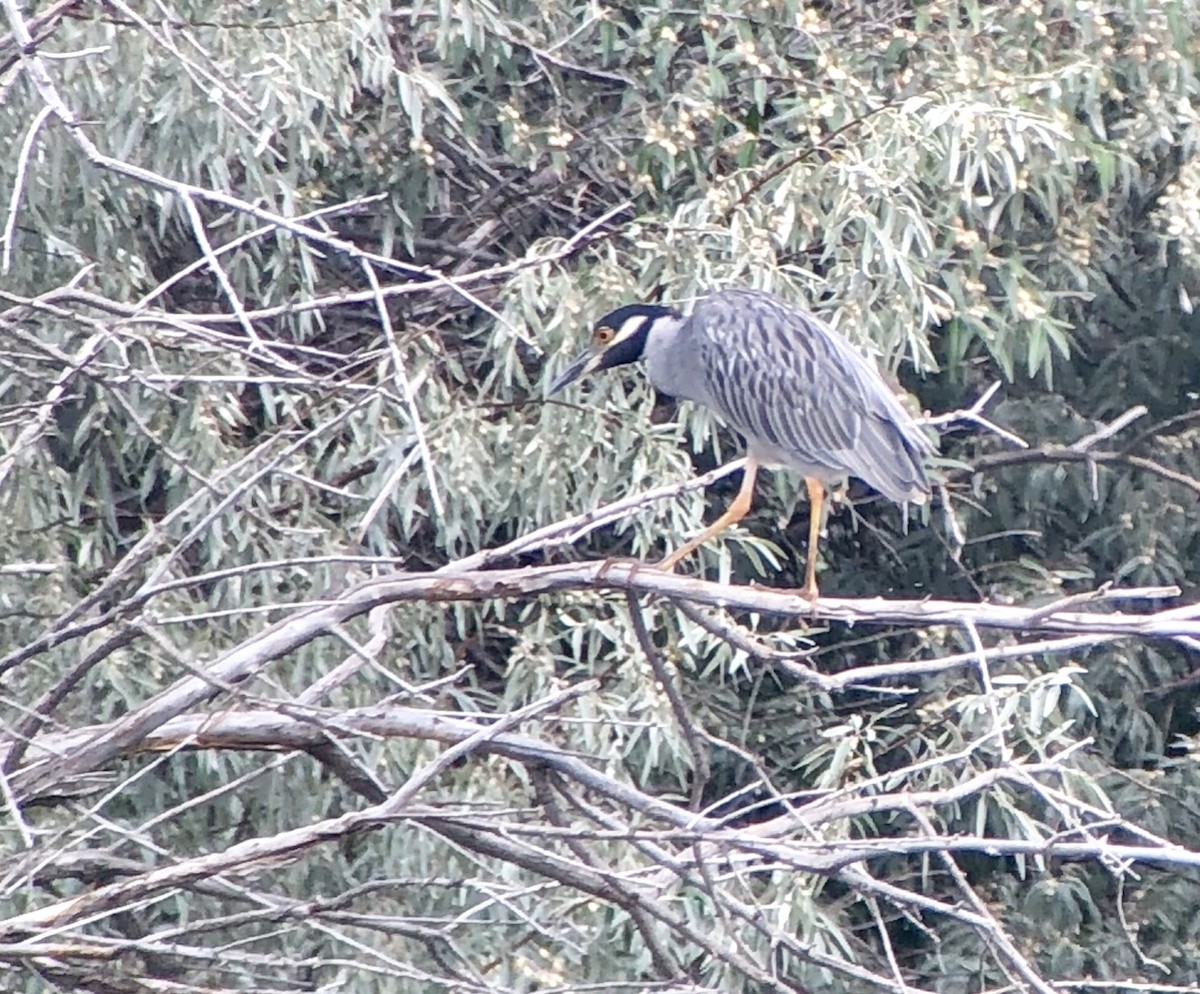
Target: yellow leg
{"type": "Point", "coordinates": [736, 511]}
{"type": "Point", "coordinates": [816, 501]}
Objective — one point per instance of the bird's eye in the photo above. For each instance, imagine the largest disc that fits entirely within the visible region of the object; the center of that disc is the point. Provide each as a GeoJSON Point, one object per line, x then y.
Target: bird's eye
{"type": "Point", "coordinates": [604, 335]}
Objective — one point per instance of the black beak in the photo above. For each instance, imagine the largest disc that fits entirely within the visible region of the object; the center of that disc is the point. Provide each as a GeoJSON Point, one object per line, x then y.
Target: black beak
{"type": "Point", "coordinates": [580, 365]}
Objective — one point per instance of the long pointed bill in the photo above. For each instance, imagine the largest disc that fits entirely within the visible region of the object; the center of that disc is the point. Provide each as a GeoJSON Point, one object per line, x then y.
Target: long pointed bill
{"type": "Point", "coordinates": [580, 366]}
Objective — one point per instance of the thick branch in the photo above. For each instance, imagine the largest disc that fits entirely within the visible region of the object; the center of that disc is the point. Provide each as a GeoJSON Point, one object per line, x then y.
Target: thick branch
{"type": "Point", "coordinates": [313, 727]}
{"type": "Point", "coordinates": [306, 624]}
{"type": "Point", "coordinates": [284, 844]}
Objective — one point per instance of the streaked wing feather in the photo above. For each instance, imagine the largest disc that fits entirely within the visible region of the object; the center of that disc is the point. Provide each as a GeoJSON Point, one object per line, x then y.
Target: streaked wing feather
{"type": "Point", "coordinates": [782, 376]}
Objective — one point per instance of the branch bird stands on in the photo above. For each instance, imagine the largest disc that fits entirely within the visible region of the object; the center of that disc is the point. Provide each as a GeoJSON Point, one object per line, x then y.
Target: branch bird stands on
{"type": "Point", "coordinates": [798, 392]}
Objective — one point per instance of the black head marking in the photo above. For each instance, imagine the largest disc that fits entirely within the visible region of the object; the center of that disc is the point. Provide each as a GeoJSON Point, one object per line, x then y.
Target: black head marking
{"type": "Point", "coordinates": [620, 336]}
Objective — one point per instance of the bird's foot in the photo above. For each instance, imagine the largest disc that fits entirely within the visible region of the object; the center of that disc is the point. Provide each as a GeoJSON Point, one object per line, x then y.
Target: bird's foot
{"type": "Point", "coordinates": [810, 593]}
{"type": "Point", "coordinates": [633, 564]}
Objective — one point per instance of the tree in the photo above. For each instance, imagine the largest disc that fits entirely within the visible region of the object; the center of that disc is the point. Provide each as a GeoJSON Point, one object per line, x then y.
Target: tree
{"type": "Point", "coordinates": [319, 665]}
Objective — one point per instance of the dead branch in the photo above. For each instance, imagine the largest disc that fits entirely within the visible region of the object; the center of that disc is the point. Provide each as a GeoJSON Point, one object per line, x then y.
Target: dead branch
{"type": "Point", "coordinates": [794, 841]}
{"type": "Point", "coordinates": [306, 624]}
{"type": "Point", "coordinates": [269, 729]}
{"type": "Point", "coordinates": [1084, 451]}
{"type": "Point", "coordinates": [1066, 454]}
{"type": "Point", "coordinates": [284, 844]}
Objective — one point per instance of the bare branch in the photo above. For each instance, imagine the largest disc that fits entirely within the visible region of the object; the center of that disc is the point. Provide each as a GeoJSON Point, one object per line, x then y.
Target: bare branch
{"type": "Point", "coordinates": [266, 850]}
{"type": "Point", "coordinates": [1084, 451]}
{"type": "Point", "coordinates": [438, 587]}
{"type": "Point", "coordinates": [700, 764]}
{"type": "Point", "coordinates": [33, 430]}
{"type": "Point", "coordinates": [974, 415]}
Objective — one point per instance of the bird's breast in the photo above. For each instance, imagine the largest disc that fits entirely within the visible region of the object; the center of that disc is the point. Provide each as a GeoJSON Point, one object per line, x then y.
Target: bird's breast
{"type": "Point", "coordinates": [675, 370]}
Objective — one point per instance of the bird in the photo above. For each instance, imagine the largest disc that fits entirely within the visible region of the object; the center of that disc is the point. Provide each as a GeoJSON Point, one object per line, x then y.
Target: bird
{"type": "Point", "coordinates": [798, 392]}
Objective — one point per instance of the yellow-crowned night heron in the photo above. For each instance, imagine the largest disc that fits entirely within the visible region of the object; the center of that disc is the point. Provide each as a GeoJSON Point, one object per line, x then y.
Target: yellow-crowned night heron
{"type": "Point", "coordinates": [799, 393]}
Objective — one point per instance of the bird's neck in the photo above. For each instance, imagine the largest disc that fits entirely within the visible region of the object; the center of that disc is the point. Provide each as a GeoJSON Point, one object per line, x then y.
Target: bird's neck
{"type": "Point", "coordinates": [667, 362]}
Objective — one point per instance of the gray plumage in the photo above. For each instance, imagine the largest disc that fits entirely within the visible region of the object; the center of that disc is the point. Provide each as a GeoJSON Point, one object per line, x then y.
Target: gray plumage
{"type": "Point", "coordinates": [799, 392]}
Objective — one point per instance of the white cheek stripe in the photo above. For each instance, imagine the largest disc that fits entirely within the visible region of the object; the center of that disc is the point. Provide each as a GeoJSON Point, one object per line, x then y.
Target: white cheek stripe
{"type": "Point", "coordinates": [630, 327]}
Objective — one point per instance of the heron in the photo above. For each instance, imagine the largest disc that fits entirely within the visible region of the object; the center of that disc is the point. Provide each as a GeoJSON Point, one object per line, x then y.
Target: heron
{"type": "Point", "coordinates": [798, 392]}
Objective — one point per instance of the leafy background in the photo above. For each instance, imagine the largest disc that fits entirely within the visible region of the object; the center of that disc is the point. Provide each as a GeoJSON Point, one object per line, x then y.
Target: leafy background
{"type": "Point", "coordinates": [971, 192]}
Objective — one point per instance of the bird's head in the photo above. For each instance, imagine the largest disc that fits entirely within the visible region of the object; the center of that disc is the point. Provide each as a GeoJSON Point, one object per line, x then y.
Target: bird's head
{"type": "Point", "coordinates": [619, 337]}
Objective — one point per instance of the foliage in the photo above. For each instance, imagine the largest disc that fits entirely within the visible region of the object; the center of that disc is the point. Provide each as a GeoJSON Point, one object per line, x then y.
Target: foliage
{"type": "Point", "coordinates": [213, 420]}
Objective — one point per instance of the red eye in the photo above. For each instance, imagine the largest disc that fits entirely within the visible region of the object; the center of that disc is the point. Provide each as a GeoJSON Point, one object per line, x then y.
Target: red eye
{"type": "Point", "coordinates": [604, 335]}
